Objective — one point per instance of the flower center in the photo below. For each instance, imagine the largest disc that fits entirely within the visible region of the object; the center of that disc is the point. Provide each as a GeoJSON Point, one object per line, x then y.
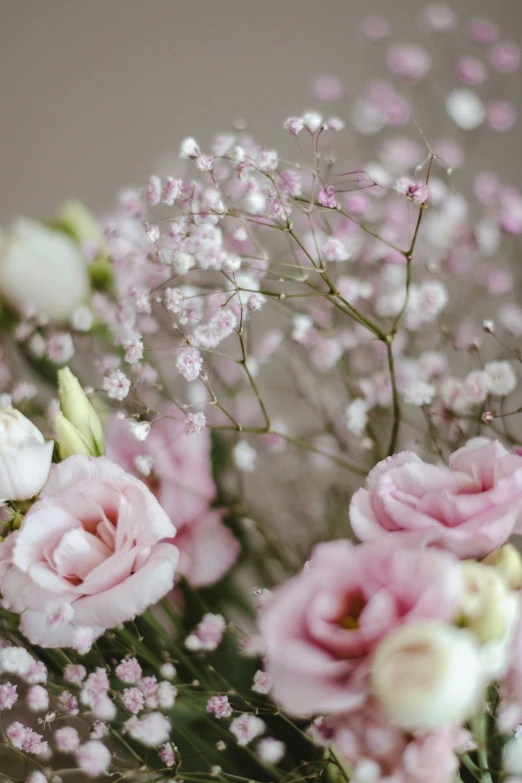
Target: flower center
{"type": "Point", "coordinates": [350, 618]}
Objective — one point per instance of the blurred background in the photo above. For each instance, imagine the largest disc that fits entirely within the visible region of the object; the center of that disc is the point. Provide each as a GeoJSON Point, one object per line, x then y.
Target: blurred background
{"type": "Point", "coordinates": [94, 94]}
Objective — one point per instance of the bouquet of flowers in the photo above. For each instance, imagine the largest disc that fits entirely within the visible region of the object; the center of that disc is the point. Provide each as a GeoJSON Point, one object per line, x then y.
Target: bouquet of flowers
{"type": "Point", "coordinates": [260, 458]}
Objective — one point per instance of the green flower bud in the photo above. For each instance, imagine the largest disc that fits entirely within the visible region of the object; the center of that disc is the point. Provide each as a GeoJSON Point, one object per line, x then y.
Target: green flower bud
{"type": "Point", "coordinates": [78, 411]}
{"type": "Point", "coordinates": [69, 439]}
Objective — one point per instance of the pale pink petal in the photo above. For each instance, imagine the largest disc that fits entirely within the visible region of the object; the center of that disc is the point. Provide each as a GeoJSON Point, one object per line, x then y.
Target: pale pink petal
{"type": "Point", "coordinates": [207, 548]}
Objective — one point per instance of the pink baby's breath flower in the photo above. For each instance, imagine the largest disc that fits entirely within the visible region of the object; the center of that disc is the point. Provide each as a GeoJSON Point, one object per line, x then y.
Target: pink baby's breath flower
{"type": "Point", "coordinates": [247, 727]}
{"type": "Point", "coordinates": [261, 682]}
{"type": "Point", "coordinates": [189, 363]}
{"type": "Point", "coordinates": [153, 190]}
{"type": "Point", "coordinates": [8, 696]}
{"type": "Point", "coordinates": [208, 633]}
{"type": "Point", "coordinates": [294, 125]}
{"type": "Point", "coordinates": [501, 115]}
{"type": "Point", "coordinates": [93, 758]}
{"type": "Point", "coordinates": [256, 301]}
{"type": "Point", "coordinates": [68, 703]}
{"type": "Point", "coordinates": [194, 423]}
{"type": "Point", "coordinates": [133, 700]}
{"type": "Point", "coordinates": [505, 57]}
{"type": "Point", "coordinates": [414, 191]}
{"type": "Point", "coordinates": [483, 30]}
{"type": "Point", "coordinates": [60, 347]}
{"type": "Point", "coordinates": [128, 671]}
{"type": "Point", "coordinates": [67, 740]}
{"type": "Point", "coordinates": [133, 351]}
{"type": "Point", "coordinates": [117, 385]}
{"type": "Point", "coordinates": [327, 197]}
{"type": "Point", "coordinates": [16, 734]}
{"type": "Point", "coordinates": [471, 71]}
{"type": "Point", "coordinates": [36, 777]}
{"type": "Point", "coordinates": [148, 685]}
{"type": "Point", "coordinates": [173, 299]}
{"type": "Point", "coordinates": [150, 730]}
{"type": "Point", "coordinates": [37, 699]}
{"type": "Point", "coordinates": [168, 753]}
{"type": "Point", "coordinates": [410, 62]}
{"type": "Point", "coordinates": [204, 162]}
{"type": "Point", "coordinates": [99, 730]}
{"type": "Point", "coordinates": [82, 640]}
{"type": "Point", "coordinates": [327, 87]}
{"type": "Point", "coordinates": [219, 706]}
{"type": "Point", "coordinates": [171, 190]}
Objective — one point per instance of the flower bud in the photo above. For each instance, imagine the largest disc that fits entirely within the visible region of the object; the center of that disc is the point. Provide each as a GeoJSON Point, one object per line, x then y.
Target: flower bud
{"type": "Point", "coordinates": [483, 602]}
{"type": "Point", "coordinates": [508, 562]}
{"type": "Point", "coordinates": [25, 457]}
{"type": "Point", "coordinates": [70, 440]}
{"type": "Point", "coordinates": [427, 675]}
{"type": "Point", "coordinates": [80, 414]}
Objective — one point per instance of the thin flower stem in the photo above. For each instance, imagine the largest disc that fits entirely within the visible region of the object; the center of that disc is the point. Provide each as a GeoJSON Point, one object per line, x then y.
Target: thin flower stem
{"type": "Point", "coordinates": [479, 731]}
{"type": "Point", "coordinates": [395, 401]}
{"type": "Point", "coordinates": [350, 309]}
{"type": "Point", "coordinates": [252, 381]}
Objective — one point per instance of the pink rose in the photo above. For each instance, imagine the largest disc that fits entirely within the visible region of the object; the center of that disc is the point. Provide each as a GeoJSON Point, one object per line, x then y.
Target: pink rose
{"type": "Point", "coordinates": [470, 507]}
{"type": "Point", "coordinates": [322, 627]}
{"type": "Point", "coordinates": [89, 554]}
{"type": "Point", "coordinates": [181, 479]}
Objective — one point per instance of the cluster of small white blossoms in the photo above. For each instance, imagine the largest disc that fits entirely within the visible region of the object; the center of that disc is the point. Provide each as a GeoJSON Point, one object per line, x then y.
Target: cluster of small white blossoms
{"type": "Point", "coordinates": [249, 270]}
{"type": "Point", "coordinates": [77, 714]}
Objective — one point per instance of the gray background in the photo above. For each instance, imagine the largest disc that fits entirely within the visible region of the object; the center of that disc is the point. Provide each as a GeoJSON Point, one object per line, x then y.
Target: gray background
{"type": "Point", "coordinates": [94, 92]}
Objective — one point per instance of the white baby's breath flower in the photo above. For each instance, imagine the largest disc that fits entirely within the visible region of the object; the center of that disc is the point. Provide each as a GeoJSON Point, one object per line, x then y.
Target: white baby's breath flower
{"type": "Point", "coordinates": [465, 109]}
{"type": "Point", "coordinates": [244, 456]}
{"type": "Point", "coordinates": [501, 378]}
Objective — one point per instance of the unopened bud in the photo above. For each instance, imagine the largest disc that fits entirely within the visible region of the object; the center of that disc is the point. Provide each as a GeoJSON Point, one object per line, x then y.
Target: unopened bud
{"type": "Point", "coordinates": [483, 603]}
{"type": "Point", "coordinates": [70, 440]}
{"type": "Point", "coordinates": [508, 562]}
{"type": "Point", "coordinates": [80, 414]}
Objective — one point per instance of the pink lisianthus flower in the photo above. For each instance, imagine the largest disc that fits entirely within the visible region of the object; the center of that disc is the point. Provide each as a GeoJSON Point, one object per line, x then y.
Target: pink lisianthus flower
{"type": "Point", "coordinates": [470, 507]}
{"type": "Point", "coordinates": [322, 627]}
{"type": "Point", "coordinates": [369, 742]}
{"type": "Point", "coordinates": [90, 554]}
{"type": "Point", "coordinates": [181, 479]}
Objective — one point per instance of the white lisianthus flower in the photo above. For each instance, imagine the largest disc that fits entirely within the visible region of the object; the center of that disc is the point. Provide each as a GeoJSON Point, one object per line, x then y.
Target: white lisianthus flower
{"type": "Point", "coordinates": [42, 270]}
{"type": "Point", "coordinates": [25, 457]}
{"type": "Point", "coordinates": [490, 610]}
{"type": "Point", "coordinates": [513, 756]}
{"type": "Point", "coordinates": [508, 562]}
{"type": "Point", "coordinates": [427, 675]}
{"type": "Point", "coordinates": [483, 598]}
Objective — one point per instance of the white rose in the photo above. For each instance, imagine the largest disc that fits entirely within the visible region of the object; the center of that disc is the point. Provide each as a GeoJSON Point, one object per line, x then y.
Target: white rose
{"type": "Point", "coordinates": [25, 457]}
{"type": "Point", "coordinates": [42, 269]}
{"type": "Point", "coordinates": [427, 675]}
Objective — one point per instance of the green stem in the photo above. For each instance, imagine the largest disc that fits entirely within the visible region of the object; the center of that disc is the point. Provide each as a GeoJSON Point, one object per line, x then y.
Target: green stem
{"type": "Point", "coordinates": [395, 402]}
